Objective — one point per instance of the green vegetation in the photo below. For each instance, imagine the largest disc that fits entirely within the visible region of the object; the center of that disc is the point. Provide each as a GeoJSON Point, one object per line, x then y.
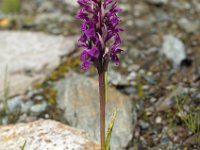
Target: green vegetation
{"type": "Point", "coordinates": [4, 110]}
{"type": "Point", "coordinates": [139, 86]}
{"type": "Point", "coordinates": [23, 146]}
{"type": "Point", "coordinates": [10, 6]}
{"type": "Point", "coordinates": [109, 131]}
{"type": "Point", "coordinates": [181, 100]}
{"type": "Point", "coordinates": [6, 91]}
{"type": "Point", "coordinates": [64, 68]}
{"type": "Point", "coordinates": [12, 117]}
{"type": "Point", "coordinates": [191, 119]}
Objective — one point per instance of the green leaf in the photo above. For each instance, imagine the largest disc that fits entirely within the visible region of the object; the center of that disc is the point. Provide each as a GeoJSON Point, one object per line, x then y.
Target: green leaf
{"type": "Point", "coordinates": [109, 131]}
{"type": "Point", "coordinates": [23, 146]}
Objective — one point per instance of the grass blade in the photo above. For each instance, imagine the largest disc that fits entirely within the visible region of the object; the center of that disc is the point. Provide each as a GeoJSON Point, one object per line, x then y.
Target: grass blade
{"type": "Point", "coordinates": [109, 131]}
{"type": "Point", "coordinates": [23, 146]}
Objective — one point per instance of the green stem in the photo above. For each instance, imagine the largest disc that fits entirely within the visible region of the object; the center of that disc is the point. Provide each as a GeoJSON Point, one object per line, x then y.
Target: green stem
{"type": "Point", "coordinates": [102, 94]}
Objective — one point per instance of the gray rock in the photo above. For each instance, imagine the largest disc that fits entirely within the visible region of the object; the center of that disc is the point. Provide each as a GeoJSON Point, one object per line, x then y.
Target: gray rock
{"type": "Point", "coordinates": [14, 104]}
{"type": "Point", "coordinates": [116, 78]}
{"type": "Point", "coordinates": [78, 97]}
{"type": "Point", "coordinates": [157, 2]}
{"type": "Point", "coordinates": [38, 98]}
{"type": "Point", "coordinates": [29, 57]}
{"type": "Point", "coordinates": [46, 6]}
{"type": "Point", "coordinates": [71, 3]}
{"type": "Point", "coordinates": [166, 103]}
{"type": "Point", "coordinates": [4, 120]}
{"type": "Point", "coordinates": [51, 18]}
{"type": "Point", "coordinates": [44, 135]}
{"type": "Point", "coordinates": [181, 5]}
{"type": "Point", "coordinates": [140, 9]}
{"type": "Point", "coordinates": [22, 118]}
{"type": "Point", "coordinates": [188, 26]}
{"type": "Point", "coordinates": [25, 107]}
{"type": "Point", "coordinates": [144, 125]}
{"type": "Point", "coordinates": [162, 16]}
{"type": "Point", "coordinates": [197, 5]}
{"type": "Point", "coordinates": [38, 108]}
{"type": "Point", "coordinates": [132, 76]}
{"type": "Point", "coordinates": [174, 49]}
{"type": "Point", "coordinates": [142, 23]}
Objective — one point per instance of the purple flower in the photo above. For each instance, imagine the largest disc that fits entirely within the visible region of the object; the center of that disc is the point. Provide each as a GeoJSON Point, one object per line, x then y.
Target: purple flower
{"type": "Point", "coordinates": [100, 24]}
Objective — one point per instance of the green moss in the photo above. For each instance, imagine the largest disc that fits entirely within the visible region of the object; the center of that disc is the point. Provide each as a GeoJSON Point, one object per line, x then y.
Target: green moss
{"type": "Point", "coordinates": [50, 95]}
{"type": "Point", "coordinates": [37, 85]}
{"type": "Point", "coordinates": [64, 68]}
{"type": "Point", "coordinates": [11, 6]}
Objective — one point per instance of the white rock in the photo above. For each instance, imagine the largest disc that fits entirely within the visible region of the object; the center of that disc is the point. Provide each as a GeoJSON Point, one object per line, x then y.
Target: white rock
{"type": "Point", "coordinates": [29, 57]}
{"type": "Point", "coordinates": [174, 49]}
{"type": "Point", "coordinates": [44, 135]}
{"type": "Point", "coordinates": [158, 120]}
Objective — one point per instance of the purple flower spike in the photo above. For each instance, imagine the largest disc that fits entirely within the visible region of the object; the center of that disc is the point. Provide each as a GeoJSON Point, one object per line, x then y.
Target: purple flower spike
{"type": "Point", "coordinates": [85, 65]}
{"type": "Point", "coordinates": [100, 24]}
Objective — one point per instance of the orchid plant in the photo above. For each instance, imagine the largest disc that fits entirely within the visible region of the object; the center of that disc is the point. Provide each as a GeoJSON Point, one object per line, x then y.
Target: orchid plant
{"type": "Point", "coordinates": [100, 42]}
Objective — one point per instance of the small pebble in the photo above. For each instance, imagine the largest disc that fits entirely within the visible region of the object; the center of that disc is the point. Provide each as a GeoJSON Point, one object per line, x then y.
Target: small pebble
{"type": "Point", "coordinates": [158, 120]}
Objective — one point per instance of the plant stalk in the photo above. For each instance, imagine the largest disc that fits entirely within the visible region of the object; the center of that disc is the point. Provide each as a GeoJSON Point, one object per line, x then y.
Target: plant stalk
{"type": "Point", "coordinates": [102, 95]}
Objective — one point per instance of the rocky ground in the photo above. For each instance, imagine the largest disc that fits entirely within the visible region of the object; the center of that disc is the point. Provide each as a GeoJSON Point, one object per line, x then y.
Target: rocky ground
{"type": "Point", "coordinates": [156, 88]}
{"type": "Point", "coordinates": [50, 135]}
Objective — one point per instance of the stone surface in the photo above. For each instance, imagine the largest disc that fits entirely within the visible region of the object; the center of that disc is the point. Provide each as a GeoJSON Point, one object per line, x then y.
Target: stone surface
{"type": "Point", "coordinates": [156, 2]}
{"type": "Point", "coordinates": [166, 103]}
{"type": "Point", "coordinates": [38, 108]}
{"type": "Point", "coordinates": [116, 78]}
{"type": "Point", "coordinates": [71, 3]}
{"type": "Point", "coordinates": [174, 49]}
{"type": "Point", "coordinates": [44, 135]}
{"type": "Point", "coordinates": [29, 57]}
{"type": "Point", "coordinates": [188, 25]}
{"type": "Point", "coordinates": [78, 97]}
{"type": "Point", "coordinates": [14, 104]}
